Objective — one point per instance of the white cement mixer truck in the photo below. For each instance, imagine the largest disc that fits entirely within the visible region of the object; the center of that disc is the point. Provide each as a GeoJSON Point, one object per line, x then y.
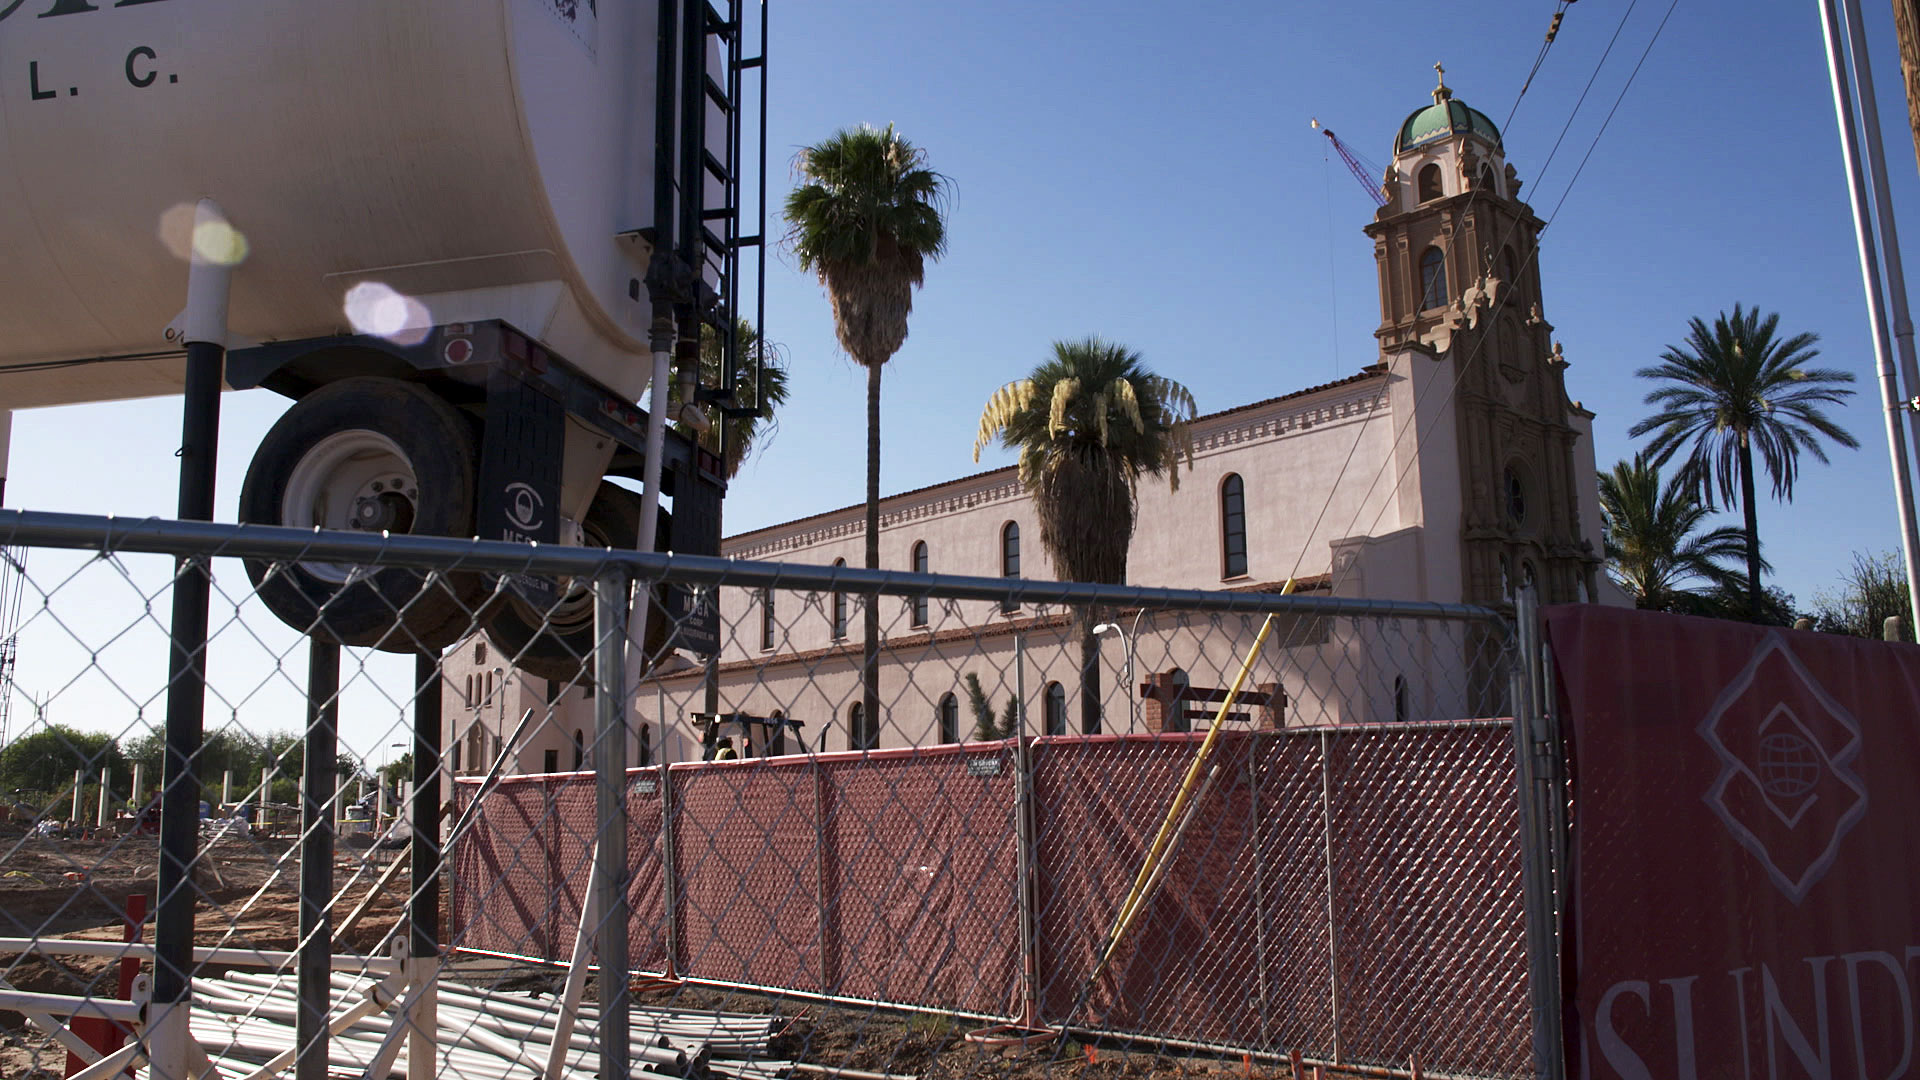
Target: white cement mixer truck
{"type": "Point", "coordinates": [448, 230]}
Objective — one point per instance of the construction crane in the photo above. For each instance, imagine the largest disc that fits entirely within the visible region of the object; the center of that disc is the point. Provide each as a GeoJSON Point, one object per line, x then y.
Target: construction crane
{"type": "Point", "coordinates": [1362, 169]}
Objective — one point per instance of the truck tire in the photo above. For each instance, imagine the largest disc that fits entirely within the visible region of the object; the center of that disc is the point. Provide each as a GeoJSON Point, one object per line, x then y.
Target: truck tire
{"type": "Point", "coordinates": [367, 454]}
{"type": "Point", "coordinates": [557, 644]}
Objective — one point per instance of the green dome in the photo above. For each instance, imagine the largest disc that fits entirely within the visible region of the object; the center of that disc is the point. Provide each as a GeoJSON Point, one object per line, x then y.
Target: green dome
{"type": "Point", "coordinates": [1441, 119]}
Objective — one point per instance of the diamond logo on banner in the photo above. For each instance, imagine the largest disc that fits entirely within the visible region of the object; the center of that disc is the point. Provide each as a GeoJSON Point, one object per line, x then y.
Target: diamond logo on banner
{"type": "Point", "coordinates": [1786, 789]}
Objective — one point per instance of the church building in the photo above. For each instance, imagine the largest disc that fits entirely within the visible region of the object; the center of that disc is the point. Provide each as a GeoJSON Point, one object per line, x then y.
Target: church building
{"type": "Point", "coordinates": [1452, 469]}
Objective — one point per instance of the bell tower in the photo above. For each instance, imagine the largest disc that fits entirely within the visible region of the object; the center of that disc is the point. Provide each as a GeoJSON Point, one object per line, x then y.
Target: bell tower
{"type": "Point", "coordinates": [1457, 253]}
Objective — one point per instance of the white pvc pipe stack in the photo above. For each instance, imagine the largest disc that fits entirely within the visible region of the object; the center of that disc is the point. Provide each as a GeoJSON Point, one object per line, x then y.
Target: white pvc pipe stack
{"type": "Point", "coordinates": [249, 1015]}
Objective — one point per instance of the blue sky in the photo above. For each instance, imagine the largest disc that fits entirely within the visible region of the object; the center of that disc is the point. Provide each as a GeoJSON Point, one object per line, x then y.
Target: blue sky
{"type": "Point", "coordinates": [1146, 172]}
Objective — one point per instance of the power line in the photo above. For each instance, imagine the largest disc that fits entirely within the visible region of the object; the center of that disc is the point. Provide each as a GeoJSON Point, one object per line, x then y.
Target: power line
{"type": "Point", "coordinates": [1616, 108]}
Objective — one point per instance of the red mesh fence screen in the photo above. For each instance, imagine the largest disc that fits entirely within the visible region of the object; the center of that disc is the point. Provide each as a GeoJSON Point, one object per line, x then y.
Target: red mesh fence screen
{"type": "Point", "coordinates": [1351, 893]}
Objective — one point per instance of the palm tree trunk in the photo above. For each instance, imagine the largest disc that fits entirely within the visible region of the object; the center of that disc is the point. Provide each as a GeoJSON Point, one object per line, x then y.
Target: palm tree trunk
{"type": "Point", "coordinates": [870, 612]}
{"type": "Point", "coordinates": [1089, 671]}
{"type": "Point", "coordinates": [1753, 529]}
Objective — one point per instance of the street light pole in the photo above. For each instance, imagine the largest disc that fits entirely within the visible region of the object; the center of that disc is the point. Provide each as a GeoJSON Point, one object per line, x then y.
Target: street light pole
{"type": "Point", "coordinates": [1127, 639]}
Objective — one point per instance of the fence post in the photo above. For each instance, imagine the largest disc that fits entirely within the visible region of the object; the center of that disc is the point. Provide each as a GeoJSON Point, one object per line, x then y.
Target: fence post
{"type": "Point", "coordinates": [423, 906]}
{"type": "Point", "coordinates": [669, 884]}
{"type": "Point", "coordinates": [1026, 880]}
{"type": "Point", "coordinates": [316, 860]}
{"type": "Point", "coordinates": [1333, 925]}
{"type": "Point", "coordinates": [1255, 776]}
{"type": "Point", "coordinates": [822, 897]}
{"type": "Point", "coordinates": [610, 775]}
{"type": "Point", "coordinates": [1533, 772]}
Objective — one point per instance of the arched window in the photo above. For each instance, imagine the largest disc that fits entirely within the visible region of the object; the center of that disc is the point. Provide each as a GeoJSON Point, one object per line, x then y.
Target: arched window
{"type": "Point", "coordinates": [646, 744]}
{"type": "Point", "coordinates": [949, 719]}
{"type": "Point", "coordinates": [839, 607]}
{"type": "Point", "coordinates": [1400, 698]}
{"type": "Point", "coordinates": [1233, 527]}
{"type": "Point", "coordinates": [860, 734]}
{"type": "Point", "coordinates": [1430, 188]}
{"type": "Point", "coordinates": [766, 619]}
{"type": "Point", "coordinates": [920, 567]}
{"type": "Point", "coordinates": [1486, 182]}
{"type": "Point", "coordinates": [1515, 493]}
{"type": "Point", "coordinates": [1433, 278]}
{"type": "Point", "coordinates": [1056, 709]}
{"type": "Point", "coordinates": [579, 749]}
{"type": "Point", "coordinates": [1010, 559]}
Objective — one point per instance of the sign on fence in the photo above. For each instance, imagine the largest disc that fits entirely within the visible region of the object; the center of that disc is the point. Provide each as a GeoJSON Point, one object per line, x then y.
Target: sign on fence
{"type": "Point", "coordinates": [1746, 835]}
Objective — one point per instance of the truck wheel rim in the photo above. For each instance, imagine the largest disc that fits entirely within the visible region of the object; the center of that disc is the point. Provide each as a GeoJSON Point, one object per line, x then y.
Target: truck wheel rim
{"type": "Point", "coordinates": [357, 480]}
{"type": "Point", "coordinates": [574, 608]}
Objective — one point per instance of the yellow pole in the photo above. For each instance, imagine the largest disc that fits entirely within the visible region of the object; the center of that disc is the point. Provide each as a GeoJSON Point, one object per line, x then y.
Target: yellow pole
{"type": "Point", "coordinates": [1130, 910]}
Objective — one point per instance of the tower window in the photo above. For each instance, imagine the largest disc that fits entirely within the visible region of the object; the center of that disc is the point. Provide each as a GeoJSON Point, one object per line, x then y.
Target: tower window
{"type": "Point", "coordinates": [1010, 559]}
{"type": "Point", "coordinates": [1233, 527]}
{"type": "Point", "coordinates": [1433, 278]}
{"type": "Point", "coordinates": [1430, 188]}
{"type": "Point", "coordinates": [1486, 182]}
{"type": "Point", "coordinates": [920, 567]}
{"type": "Point", "coordinates": [839, 607]}
{"type": "Point", "coordinates": [949, 719]}
{"type": "Point", "coordinates": [1056, 709]}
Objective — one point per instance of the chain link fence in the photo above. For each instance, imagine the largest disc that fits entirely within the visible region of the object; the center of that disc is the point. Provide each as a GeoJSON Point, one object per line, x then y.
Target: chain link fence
{"type": "Point", "coordinates": [1006, 840]}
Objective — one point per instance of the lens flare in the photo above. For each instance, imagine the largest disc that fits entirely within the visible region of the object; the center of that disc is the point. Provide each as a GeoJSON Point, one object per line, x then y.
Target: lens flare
{"type": "Point", "coordinates": [378, 309]}
{"type": "Point", "coordinates": [216, 242]}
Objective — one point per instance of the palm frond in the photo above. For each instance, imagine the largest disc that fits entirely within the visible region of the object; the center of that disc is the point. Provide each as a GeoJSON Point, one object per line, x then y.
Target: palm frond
{"type": "Point", "coordinates": [1006, 403]}
{"type": "Point", "coordinates": [1061, 400]}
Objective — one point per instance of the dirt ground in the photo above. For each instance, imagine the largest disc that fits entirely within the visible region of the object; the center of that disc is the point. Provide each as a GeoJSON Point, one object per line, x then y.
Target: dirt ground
{"type": "Point", "coordinates": [79, 888]}
{"type": "Point", "coordinates": [39, 899]}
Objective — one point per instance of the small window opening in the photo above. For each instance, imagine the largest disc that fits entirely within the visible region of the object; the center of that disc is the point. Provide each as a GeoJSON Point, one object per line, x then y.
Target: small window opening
{"type": "Point", "coordinates": [920, 564]}
{"type": "Point", "coordinates": [949, 719]}
{"type": "Point", "coordinates": [839, 607]}
{"type": "Point", "coordinates": [1010, 560]}
{"type": "Point", "coordinates": [1056, 709]}
{"type": "Point", "coordinates": [1433, 279]}
{"type": "Point", "coordinates": [1430, 186]}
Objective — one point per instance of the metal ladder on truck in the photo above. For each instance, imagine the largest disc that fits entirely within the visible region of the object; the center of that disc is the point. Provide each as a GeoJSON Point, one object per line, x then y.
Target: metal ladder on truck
{"type": "Point", "coordinates": [709, 236]}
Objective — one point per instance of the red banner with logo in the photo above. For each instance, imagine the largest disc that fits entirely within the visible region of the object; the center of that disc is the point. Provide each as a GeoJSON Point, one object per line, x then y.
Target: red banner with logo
{"type": "Point", "coordinates": [1746, 848]}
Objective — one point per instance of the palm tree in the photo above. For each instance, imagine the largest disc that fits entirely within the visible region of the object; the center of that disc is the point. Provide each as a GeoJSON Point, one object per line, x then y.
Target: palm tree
{"type": "Point", "coordinates": [1088, 423]}
{"type": "Point", "coordinates": [866, 222]}
{"type": "Point", "coordinates": [762, 370]}
{"type": "Point", "coordinates": [1734, 388]}
{"type": "Point", "coordinates": [1653, 543]}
